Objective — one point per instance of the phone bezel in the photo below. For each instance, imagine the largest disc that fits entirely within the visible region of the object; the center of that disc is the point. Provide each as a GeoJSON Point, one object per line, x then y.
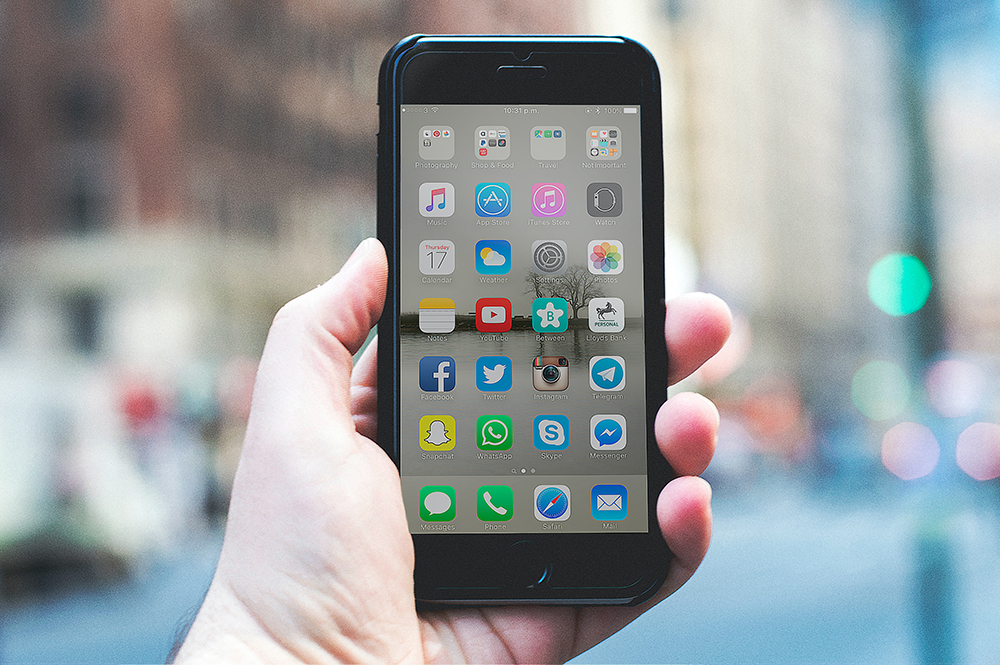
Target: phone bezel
{"type": "Point", "coordinates": [572, 568]}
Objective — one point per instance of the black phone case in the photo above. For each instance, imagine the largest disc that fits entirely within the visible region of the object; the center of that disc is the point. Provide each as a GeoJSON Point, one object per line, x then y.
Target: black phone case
{"type": "Point", "coordinates": [562, 570]}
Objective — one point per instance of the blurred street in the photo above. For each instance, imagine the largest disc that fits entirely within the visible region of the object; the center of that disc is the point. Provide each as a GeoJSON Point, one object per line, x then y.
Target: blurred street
{"type": "Point", "coordinates": [788, 579]}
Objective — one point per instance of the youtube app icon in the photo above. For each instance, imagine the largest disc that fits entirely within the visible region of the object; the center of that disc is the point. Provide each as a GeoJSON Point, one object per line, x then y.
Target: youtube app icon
{"type": "Point", "coordinates": [493, 315]}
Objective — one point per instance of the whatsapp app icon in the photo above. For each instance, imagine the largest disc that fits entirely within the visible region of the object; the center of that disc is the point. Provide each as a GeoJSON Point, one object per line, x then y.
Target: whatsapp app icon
{"type": "Point", "coordinates": [494, 432]}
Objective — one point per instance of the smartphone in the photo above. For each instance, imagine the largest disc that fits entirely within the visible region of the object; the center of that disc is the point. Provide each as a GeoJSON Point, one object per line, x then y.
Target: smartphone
{"type": "Point", "coordinates": [521, 352]}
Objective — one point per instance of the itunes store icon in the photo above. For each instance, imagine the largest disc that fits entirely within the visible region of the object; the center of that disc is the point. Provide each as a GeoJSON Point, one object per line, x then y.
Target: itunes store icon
{"type": "Point", "coordinates": [548, 199]}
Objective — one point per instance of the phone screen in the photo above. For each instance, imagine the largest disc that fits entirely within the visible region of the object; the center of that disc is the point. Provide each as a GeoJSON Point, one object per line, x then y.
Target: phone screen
{"type": "Point", "coordinates": [522, 380]}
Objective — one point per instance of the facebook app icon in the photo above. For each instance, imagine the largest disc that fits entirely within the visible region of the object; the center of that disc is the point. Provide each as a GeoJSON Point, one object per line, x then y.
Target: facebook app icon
{"type": "Point", "coordinates": [437, 374]}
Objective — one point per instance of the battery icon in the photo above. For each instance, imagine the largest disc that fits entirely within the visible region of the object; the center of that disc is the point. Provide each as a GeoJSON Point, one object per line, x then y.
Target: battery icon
{"type": "Point", "coordinates": [631, 109]}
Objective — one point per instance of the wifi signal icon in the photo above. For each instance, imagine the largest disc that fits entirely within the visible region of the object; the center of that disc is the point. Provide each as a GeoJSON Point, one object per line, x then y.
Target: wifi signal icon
{"type": "Point", "coordinates": [434, 109]}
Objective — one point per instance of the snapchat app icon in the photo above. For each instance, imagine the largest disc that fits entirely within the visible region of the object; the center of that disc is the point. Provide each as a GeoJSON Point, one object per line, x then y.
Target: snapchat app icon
{"type": "Point", "coordinates": [437, 432]}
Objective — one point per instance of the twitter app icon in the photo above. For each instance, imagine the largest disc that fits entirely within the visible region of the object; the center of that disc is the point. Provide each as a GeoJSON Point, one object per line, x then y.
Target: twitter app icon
{"type": "Point", "coordinates": [494, 373]}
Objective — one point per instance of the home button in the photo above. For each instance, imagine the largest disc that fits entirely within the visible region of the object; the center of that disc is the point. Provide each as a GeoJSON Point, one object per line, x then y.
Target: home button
{"type": "Point", "coordinates": [526, 567]}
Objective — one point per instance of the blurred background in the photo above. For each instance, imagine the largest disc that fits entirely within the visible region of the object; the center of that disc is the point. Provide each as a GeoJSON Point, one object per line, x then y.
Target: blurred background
{"type": "Point", "coordinates": [171, 172]}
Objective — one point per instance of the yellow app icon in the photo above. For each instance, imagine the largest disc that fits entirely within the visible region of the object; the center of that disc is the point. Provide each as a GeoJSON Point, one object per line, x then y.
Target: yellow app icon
{"type": "Point", "coordinates": [437, 432]}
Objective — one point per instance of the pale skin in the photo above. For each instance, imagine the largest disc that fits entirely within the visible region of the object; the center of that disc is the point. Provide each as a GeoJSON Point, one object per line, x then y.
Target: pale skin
{"type": "Point", "coordinates": [310, 573]}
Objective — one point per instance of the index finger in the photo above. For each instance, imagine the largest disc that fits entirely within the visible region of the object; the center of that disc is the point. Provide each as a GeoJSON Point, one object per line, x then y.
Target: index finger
{"type": "Point", "coordinates": [696, 326]}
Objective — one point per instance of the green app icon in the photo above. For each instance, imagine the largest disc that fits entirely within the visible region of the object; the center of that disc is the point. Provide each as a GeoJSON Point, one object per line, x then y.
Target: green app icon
{"type": "Point", "coordinates": [494, 432]}
{"type": "Point", "coordinates": [495, 503]}
{"type": "Point", "coordinates": [437, 503]}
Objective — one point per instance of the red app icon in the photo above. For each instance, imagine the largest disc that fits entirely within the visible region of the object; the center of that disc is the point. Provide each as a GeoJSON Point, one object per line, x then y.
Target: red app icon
{"type": "Point", "coordinates": [493, 315]}
{"type": "Point", "coordinates": [482, 152]}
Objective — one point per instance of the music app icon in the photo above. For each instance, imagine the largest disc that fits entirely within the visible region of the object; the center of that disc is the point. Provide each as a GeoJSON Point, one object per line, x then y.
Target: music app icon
{"type": "Point", "coordinates": [548, 199]}
{"type": "Point", "coordinates": [437, 199]}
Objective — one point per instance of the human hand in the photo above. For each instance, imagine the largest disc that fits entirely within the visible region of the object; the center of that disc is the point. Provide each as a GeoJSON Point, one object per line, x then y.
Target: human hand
{"type": "Point", "coordinates": [308, 574]}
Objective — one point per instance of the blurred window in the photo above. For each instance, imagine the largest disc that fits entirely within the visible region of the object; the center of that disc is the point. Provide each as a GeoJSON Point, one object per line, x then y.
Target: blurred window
{"type": "Point", "coordinates": [75, 15]}
{"type": "Point", "coordinates": [83, 311]}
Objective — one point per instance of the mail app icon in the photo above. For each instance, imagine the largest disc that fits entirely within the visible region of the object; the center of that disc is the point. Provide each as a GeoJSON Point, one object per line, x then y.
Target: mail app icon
{"type": "Point", "coordinates": [609, 503]}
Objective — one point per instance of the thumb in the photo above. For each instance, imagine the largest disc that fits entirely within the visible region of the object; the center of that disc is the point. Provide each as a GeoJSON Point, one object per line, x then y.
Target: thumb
{"type": "Point", "coordinates": [304, 373]}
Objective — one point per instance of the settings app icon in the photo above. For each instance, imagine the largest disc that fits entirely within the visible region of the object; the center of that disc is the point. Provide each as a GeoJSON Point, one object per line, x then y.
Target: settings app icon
{"type": "Point", "coordinates": [548, 257]}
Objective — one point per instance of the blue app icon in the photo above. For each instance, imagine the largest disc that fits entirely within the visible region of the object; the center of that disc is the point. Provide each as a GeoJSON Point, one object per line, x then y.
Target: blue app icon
{"type": "Point", "coordinates": [493, 257]}
{"type": "Point", "coordinates": [552, 503]}
{"type": "Point", "coordinates": [609, 503]}
{"type": "Point", "coordinates": [607, 373]}
{"type": "Point", "coordinates": [492, 199]}
{"type": "Point", "coordinates": [437, 374]}
{"type": "Point", "coordinates": [494, 373]}
{"type": "Point", "coordinates": [551, 432]}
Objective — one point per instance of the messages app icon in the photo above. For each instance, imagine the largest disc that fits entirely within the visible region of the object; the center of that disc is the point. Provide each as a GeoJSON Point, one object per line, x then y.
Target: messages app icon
{"type": "Point", "coordinates": [437, 503]}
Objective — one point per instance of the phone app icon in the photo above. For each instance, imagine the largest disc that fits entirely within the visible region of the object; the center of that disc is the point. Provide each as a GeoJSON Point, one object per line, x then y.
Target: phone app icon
{"type": "Point", "coordinates": [606, 314]}
{"type": "Point", "coordinates": [437, 503]}
{"type": "Point", "coordinates": [605, 257]}
{"type": "Point", "coordinates": [493, 257]}
{"type": "Point", "coordinates": [494, 432]}
{"type": "Point", "coordinates": [493, 315]}
{"type": "Point", "coordinates": [549, 257]}
{"type": "Point", "coordinates": [607, 373]}
{"type": "Point", "coordinates": [549, 314]}
{"type": "Point", "coordinates": [609, 503]}
{"type": "Point", "coordinates": [551, 432]}
{"type": "Point", "coordinates": [436, 199]}
{"type": "Point", "coordinates": [492, 142]}
{"type": "Point", "coordinates": [550, 373]}
{"type": "Point", "coordinates": [436, 142]}
{"type": "Point", "coordinates": [604, 199]}
{"type": "Point", "coordinates": [437, 315]}
{"type": "Point", "coordinates": [494, 503]}
{"type": "Point", "coordinates": [551, 503]}
{"type": "Point", "coordinates": [436, 257]}
{"type": "Point", "coordinates": [437, 374]}
{"type": "Point", "coordinates": [492, 199]}
{"type": "Point", "coordinates": [548, 199]}
{"type": "Point", "coordinates": [437, 433]}
{"type": "Point", "coordinates": [604, 143]}
{"type": "Point", "coordinates": [494, 373]}
{"type": "Point", "coordinates": [548, 143]}
{"type": "Point", "coordinates": [607, 432]}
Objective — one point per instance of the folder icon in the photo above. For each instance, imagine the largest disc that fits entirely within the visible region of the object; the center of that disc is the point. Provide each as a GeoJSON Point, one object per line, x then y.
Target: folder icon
{"type": "Point", "coordinates": [437, 315]}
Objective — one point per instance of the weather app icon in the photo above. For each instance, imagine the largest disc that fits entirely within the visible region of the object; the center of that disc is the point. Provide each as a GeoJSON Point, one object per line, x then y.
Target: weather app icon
{"type": "Point", "coordinates": [493, 257]}
{"type": "Point", "coordinates": [607, 373]}
{"type": "Point", "coordinates": [493, 373]}
{"type": "Point", "coordinates": [492, 199]}
{"type": "Point", "coordinates": [607, 432]}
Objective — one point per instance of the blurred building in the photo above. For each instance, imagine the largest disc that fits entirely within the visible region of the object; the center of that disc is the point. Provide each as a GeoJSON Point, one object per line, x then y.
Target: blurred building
{"type": "Point", "coordinates": [170, 174]}
{"type": "Point", "coordinates": [797, 163]}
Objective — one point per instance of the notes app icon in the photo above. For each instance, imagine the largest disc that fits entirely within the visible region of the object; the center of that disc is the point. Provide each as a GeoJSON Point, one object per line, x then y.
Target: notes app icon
{"type": "Point", "coordinates": [437, 199]}
{"type": "Point", "coordinates": [548, 199]}
{"type": "Point", "coordinates": [437, 315]}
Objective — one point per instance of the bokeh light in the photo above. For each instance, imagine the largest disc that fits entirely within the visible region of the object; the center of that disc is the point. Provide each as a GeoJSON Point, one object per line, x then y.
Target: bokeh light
{"type": "Point", "coordinates": [910, 451]}
{"type": "Point", "coordinates": [899, 284]}
{"type": "Point", "coordinates": [955, 388]}
{"type": "Point", "coordinates": [880, 390]}
{"type": "Point", "coordinates": [977, 451]}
